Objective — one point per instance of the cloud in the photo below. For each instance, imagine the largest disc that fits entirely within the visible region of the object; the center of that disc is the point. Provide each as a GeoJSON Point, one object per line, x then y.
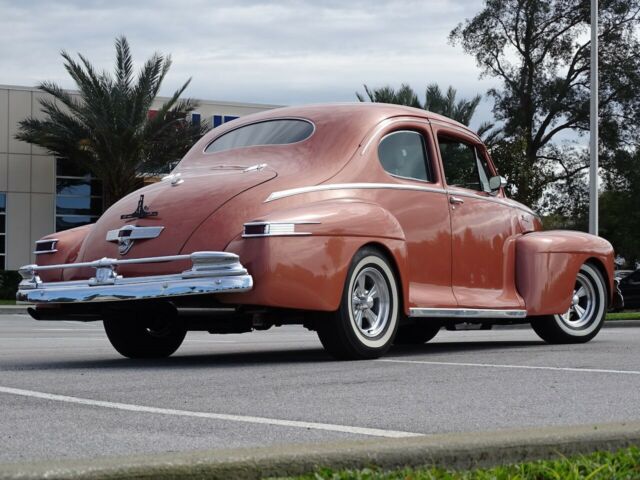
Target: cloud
{"type": "Point", "coordinates": [278, 52]}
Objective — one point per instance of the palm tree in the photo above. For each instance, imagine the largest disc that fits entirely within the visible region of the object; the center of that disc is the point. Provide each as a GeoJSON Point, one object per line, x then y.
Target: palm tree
{"type": "Point", "coordinates": [436, 102]}
{"type": "Point", "coordinates": [107, 129]}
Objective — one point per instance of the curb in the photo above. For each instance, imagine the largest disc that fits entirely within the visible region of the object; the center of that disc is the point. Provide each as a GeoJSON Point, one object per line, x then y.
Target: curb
{"type": "Point", "coordinates": [458, 450]}
{"type": "Point", "coordinates": [13, 309]}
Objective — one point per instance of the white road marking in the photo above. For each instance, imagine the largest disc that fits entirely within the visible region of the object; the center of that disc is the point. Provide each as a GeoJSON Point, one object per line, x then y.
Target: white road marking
{"type": "Point", "coordinates": [523, 367]}
{"type": "Point", "coordinates": [215, 416]}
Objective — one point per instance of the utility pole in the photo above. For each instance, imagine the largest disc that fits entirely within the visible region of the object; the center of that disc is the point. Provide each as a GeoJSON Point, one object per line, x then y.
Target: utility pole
{"type": "Point", "coordinates": [593, 120]}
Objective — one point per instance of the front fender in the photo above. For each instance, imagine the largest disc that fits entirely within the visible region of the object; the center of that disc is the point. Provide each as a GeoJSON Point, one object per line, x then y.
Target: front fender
{"type": "Point", "coordinates": [547, 264]}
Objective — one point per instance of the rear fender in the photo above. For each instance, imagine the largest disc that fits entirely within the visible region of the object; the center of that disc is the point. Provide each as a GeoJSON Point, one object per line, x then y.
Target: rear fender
{"type": "Point", "coordinates": [67, 246]}
{"type": "Point", "coordinates": [547, 264]}
{"type": "Point", "coordinates": [309, 271]}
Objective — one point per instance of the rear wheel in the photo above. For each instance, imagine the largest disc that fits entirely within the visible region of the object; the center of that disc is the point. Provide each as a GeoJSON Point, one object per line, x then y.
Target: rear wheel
{"type": "Point", "coordinates": [366, 322]}
{"type": "Point", "coordinates": [417, 333]}
{"type": "Point", "coordinates": [585, 316]}
{"type": "Point", "coordinates": [154, 333]}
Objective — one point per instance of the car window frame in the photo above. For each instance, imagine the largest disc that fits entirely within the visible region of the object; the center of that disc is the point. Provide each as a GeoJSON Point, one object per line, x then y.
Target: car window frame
{"type": "Point", "coordinates": [428, 154]}
{"type": "Point", "coordinates": [479, 156]}
{"type": "Point", "coordinates": [238, 127]}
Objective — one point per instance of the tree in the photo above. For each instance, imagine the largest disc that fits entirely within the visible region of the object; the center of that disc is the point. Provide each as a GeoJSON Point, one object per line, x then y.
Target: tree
{"type": "Point", "coordinates": [539, 50]}
{"type": "Point", "coordinates": [436, 102]}
{"type": "Point", "coordinates": [107, 129]}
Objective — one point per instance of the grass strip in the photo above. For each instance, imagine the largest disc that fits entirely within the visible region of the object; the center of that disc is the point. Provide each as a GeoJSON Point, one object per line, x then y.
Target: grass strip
{"type": "Point", "coordinates": [621, 464]}
{"type": "Point", "coordinates": [623, 316]}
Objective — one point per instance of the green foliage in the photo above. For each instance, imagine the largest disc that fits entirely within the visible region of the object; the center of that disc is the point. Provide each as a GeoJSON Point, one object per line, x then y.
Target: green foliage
{"type": "Point", "coordinates": [107, 128]}
{"type": "Point", "coordinates": [9, 281]}
{"type": "Point", "coordinates": [623, 464]}
{"type": "Point", "coordinates": [539, 50]}
{"type": "Point", "coordinates": [435, 101]}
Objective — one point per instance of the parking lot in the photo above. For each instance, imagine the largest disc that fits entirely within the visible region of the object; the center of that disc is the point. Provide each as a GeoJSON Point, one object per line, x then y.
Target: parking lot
{"type": "Point", "coordinates": [65, 393]}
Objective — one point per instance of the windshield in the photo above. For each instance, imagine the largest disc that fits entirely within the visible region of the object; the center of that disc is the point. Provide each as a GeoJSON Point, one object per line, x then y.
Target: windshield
{"type": "Point", "coordinates": [270, 132]}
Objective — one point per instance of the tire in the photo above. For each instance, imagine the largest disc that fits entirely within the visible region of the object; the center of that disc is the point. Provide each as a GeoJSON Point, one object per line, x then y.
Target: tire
{"type": "Point", "coordinates": [586, 315]}
{"type": "Point", "coordinates": [348, 334]}
{"type": "Point", "coordinates": [155, 333]}
{"type": "Point", "coordinates": [417, 333]}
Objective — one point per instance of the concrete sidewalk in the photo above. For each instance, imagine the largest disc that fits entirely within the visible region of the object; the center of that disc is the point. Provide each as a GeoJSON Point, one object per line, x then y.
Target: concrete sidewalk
{"type": "Point", "coordinates": [462, 451]}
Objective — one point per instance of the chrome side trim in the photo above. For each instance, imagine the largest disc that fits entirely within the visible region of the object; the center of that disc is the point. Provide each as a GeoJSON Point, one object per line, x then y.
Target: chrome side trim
{"type": "Point", "coordinates": [277, 229]}
{"type": "Point", "coordinates": [211, 272]}
{"type": "Point", "coordinates": [255, 168]}
{"type": "Point", "coordinates": [52, 248]}
{"type": "Point", "coordinates": [466, 313]}
{"type": "Point", "coordinates": [350, 186]}
{"type": "Point", "coordinates": [174, 178]}
{"type": "Point", "coordinates": [491, 199]}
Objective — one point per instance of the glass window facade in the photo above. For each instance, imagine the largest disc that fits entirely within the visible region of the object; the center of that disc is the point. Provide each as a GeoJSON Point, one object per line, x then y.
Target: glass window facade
{"type": "Point", "coordinates": [78, 196]}
{"type": "Point", "coordinates": [3, 229]}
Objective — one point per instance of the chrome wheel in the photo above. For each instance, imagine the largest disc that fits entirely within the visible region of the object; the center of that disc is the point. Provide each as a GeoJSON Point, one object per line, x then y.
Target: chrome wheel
{"type": "Point", "coordinates": [581, 313]}
{"type": "Point", "coordinates": [368, 316]}
{"type": "Point", "coordinates": [586, 313]}
{"type": "Point", "coordinates": [370, 303]}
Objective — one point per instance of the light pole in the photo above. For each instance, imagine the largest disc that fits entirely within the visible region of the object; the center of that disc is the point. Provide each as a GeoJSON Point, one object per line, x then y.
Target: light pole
{"type": "Point", "coordinates": [593, 127]}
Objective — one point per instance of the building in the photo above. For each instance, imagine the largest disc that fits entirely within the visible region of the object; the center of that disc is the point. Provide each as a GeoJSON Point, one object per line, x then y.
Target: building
{"type": "Point", "coordinates": [40, 194]}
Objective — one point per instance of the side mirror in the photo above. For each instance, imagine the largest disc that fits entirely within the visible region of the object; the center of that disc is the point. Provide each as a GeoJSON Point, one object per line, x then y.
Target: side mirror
{"type": "Point", "coordinates": [497, 182]}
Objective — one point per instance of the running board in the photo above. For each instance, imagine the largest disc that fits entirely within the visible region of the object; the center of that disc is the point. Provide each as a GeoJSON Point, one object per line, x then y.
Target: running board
{"type": "Point", "coordinates": [466, 313]}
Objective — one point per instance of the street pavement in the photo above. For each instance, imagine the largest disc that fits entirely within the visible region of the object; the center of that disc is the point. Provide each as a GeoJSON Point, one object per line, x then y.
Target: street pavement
{"type": "Point", "coordinates": [66, 394]}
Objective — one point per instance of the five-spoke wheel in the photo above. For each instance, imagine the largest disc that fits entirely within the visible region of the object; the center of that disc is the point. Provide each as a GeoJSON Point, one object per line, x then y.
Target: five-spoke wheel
{"type": "Point", "coordinates": [367, 320]}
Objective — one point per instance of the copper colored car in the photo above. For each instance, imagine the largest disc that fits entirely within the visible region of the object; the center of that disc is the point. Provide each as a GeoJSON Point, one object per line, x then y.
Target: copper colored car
{"type": "Point", "coordinates": [371, 224]}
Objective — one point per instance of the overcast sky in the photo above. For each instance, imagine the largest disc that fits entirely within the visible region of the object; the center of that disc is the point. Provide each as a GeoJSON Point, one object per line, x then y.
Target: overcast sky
{"type": "Point", "coordinates": [277, 52]}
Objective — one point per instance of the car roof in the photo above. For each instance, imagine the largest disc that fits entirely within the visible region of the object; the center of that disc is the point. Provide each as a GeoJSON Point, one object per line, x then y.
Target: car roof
{"type": "Point", "coordinates": [368, 113]}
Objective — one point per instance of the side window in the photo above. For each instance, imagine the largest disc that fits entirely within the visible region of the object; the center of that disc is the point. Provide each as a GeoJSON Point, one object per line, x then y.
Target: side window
{"type": "Point", "coordinates": [463, 165]}
{"type": "Point", "coordinates": [404, 154]}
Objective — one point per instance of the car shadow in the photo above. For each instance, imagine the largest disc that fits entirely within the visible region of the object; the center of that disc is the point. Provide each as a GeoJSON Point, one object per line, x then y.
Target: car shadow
{"type": "Point", "coordinates": [462, 347]}
{"type": "Point", "coordinates": [311, 355]}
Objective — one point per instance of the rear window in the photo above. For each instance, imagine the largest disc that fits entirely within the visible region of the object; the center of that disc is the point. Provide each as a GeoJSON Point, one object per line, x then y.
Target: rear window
{"type": "Point", "coordinates": [270, 132]}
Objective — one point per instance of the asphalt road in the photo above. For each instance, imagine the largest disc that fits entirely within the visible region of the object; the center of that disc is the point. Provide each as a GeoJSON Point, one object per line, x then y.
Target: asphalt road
{"type": "Point", "coordinates": [65, 393]}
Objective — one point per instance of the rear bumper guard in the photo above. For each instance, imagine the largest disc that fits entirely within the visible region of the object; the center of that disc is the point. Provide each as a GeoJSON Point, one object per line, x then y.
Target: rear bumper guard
{"type": "Point", "coordinates": [211, 272]}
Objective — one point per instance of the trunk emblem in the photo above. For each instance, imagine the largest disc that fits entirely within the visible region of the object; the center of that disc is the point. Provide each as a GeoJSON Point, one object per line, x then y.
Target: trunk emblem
{"type": "Point", "coordinates": [126, 235]}
{"type": "Point", "coordinates": [140, 212]}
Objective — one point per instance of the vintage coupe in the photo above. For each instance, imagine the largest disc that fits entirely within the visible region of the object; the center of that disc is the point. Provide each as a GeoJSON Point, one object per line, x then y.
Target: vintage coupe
{"type": "Point", "coordinates": [372, 224]}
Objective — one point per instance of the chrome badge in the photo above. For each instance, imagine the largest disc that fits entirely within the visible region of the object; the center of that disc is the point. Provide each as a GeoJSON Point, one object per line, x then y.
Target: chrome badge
{"type": "Point", "coordinates": [128, 234]}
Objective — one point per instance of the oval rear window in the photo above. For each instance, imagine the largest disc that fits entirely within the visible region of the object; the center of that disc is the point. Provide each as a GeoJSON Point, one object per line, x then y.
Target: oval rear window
{"type": "Point", "coordinates": [269, 132]}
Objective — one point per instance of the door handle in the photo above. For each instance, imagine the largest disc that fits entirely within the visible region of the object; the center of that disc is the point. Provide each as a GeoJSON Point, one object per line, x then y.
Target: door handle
{"type": "Point", "coordinates": [455, 200]}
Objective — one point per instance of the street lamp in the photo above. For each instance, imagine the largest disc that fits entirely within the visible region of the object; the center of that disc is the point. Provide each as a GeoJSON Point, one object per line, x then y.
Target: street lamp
{"type": "Point", "coordinates": [593, 127]}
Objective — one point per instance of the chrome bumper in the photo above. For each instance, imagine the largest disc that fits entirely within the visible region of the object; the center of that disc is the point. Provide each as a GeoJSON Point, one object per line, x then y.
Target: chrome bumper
{"type": "Point", "coordinates": [211, 272]}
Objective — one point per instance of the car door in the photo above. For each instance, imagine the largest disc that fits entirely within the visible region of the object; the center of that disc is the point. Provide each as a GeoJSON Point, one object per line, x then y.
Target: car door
{"type": "Point", "coordinates": [482, 227]}
{"type": "Point", "coordinates": [412, 191]}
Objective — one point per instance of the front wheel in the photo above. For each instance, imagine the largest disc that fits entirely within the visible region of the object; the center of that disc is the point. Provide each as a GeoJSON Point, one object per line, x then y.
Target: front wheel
{"type": "Point", "coordinates": [156, 333]}
{"type": "Point", "coordinates": [585, 316]}
{"type": "Point", "coordinates": [366, 322]}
